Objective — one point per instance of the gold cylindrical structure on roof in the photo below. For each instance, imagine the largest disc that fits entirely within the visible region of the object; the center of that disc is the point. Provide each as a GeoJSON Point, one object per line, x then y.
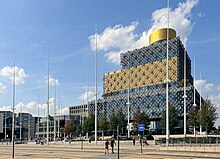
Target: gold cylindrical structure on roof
{"type": "Point", "coordinates": [161, 34]}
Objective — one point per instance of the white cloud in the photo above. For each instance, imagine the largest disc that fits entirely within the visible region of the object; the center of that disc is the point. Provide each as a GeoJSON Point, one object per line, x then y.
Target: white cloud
{"type": "Point", "coordinates": [52, 81]}
{"type": "Point", "coordinates": [65, 111]}
{"type": "Point", "coordinates": [32, 107]}
{"type": "Point", "coordinates": [87, 96]}
{"type": "Point", "coordinates": [20, 74]}
{"type": "Point", "coordinates": [205, 87]}
{"type": "Point", "coordinates": [2, 87]}
{"type": "Point", "coordinates": [117, 39]}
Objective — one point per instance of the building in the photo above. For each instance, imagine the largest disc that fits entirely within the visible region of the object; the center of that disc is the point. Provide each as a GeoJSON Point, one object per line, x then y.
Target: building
{"type": "Point", "coordinates": [143, 73]}
{"type": "Point", "coordinates": [81, 110]}
{"type": "Point", "coordinates": [27, 123]}
{"type": "Point", "coordinates": [60, 124]}
{"type": "Point", "coordinates": [7, 124]}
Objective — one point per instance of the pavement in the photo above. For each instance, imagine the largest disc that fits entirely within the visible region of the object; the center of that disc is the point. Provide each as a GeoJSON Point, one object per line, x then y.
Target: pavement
{"type": "Point", "coordinates": [60, 150]}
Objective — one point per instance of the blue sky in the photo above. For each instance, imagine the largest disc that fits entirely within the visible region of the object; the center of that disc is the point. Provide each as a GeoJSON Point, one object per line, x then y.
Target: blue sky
{"type": "Point", "coordinates": [66, 28]}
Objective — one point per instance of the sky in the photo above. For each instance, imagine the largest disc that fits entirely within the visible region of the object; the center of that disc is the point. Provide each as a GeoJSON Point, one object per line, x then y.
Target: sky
{"type": "Point", "coordinates": [66, 30]}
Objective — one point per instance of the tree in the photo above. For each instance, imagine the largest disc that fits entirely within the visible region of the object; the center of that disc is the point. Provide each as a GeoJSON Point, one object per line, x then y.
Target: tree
{"type": "Point", "coordinates": [79, 129]}
{"type": "Point", "coordinates": [89, 124]}
{"type": "Point", "coordinates": [103, 123]}
{"type": "Point", "coordinates": [121, 118]}
{"type": "Point", "coordinates": [173, 119]}
{"type": "Point", "coordinates": [113, 121]}
{"type": "Point", "coordinates": [208, 115]}
{"type": "Point", "coordinates": [193, 118]}
{"type": "Point", "coordinates": [69, 127]}
{"type": "Point", "coordinates": [144, 119]}
{"type": "Point", "coordinates": [140, 118]}
{"type": "Point", "coordinates": [136, 118]}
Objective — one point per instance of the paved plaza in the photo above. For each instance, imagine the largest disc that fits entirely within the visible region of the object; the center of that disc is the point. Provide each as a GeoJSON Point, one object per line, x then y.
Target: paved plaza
{"type": "Point", "coordinates": [92, 151]}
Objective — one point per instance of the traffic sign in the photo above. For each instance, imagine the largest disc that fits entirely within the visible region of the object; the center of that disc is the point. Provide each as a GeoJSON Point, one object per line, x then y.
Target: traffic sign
{"type": "Point", "coordinates": [140, 127]}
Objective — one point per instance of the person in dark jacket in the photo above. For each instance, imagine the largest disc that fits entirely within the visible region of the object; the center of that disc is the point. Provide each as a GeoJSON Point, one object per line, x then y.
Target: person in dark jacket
{"type": "Point", "coordinates": [113, 144]}
{"type": "Point", "coordinates": [134, 141]}
{"type": "Point", "coordinates": [106, 147]}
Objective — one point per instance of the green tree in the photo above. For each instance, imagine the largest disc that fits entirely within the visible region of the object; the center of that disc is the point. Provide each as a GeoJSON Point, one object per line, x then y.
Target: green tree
{"type": "Point", "coordinates": [89, 123]}
{"type": "Point", "coordinates": [173, 119]}
{"type": "Point", "coordinates": [193, 118]}
{"type": "Point", "coordinates": [121, 118]}
{"type": "Point", "coordinates": [144, 119]}
{"type": "Point", "coordinates": [136, 118]}
{"type": "Point", "coordinates": [69, 127]}
{"type": "Point", "coordinates": [113, 121]}
{"type": "Point", "coordinates": [208, 115]}
{"type": "Point", "coordinates": [79, 129]}
{"type": "Point", "coordinates": [103, 123]}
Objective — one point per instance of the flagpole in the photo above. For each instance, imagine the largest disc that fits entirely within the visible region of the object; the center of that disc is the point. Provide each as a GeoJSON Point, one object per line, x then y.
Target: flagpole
{"type": "Point", "coordinates": [48, 96]}
{"type": "Point", "coordinates": [200, 100]}
{"type": "Point", "coordinates": [167, 80]}
{"type": "Point", "coordinates": [184, 96]}
{"type": "Point", "coordinates": [96, 85]}
{"type": "Point", "coordinates": [13, 116]}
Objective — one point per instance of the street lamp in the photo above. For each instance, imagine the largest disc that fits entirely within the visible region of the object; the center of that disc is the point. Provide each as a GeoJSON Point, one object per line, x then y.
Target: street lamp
{"type": "Point", "coordinates": [167, 80]}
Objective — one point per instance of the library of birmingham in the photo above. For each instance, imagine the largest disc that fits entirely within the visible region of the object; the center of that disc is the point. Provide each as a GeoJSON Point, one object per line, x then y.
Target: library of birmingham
{"type": "Point", "coordinates": [143, 74]}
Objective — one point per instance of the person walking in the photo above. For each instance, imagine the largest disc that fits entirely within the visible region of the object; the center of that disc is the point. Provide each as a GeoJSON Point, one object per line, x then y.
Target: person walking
{"type": "Point", "coordinates": [106, 146]}
{"type": "Point", "coordinates": [113, 144]}
{"type": "Point", "coordinates": [134, 141]}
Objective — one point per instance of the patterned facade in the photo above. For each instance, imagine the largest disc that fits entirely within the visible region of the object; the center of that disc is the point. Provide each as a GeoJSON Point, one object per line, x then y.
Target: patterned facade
{"type": "Point", "coordinates": [143, 73]}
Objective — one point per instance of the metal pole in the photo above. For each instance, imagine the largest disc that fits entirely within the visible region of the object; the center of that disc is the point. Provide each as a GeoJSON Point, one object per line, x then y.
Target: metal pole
{"type": "Point", "coordinates": [58, 127]}
{"type": "Point", "coordinates": [167, 80]}
{"type": "Point", "coordinates": [54, 137]}
{"type": "Point", "coordinates": [184, 96]}
{"type": "Point", "coordinates": [5, 126]}
{"type": "Point", "coordinates": [44, 131]}
{"type": "Point", "coordinates": [96, 83]}
{"type": "Point", "coordinates": [13, 116]}
{"type": "Point", "coordinates": [200, 100]}
{"type": "Point", "coordinates": [48, 96]}
{"type": "Point", "coordinates": [118, 141]}
{"type": "Point", "coordinates": [128, 103]}
{"type": "Point", "coordinates": [38, 119]}
{"type": "Point", "coordinates": [29, 126]}
{"type": "Point", "coordinates": [59, 116]}
{"type": "Point", "coordinates": [194, 104]}
{"type": "Point", "coordinates": [141, 145]}
{"type": "Point", "coordinates": [21, 118]}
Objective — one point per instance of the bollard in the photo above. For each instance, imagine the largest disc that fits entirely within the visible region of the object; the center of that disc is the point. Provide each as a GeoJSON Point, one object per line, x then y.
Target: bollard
{"type": "Point", "coordinates": [81, 143]}
{"type": "Point", "coordinates": [118, 140]}
{"type": "Point", "coordinates": [141, 146]}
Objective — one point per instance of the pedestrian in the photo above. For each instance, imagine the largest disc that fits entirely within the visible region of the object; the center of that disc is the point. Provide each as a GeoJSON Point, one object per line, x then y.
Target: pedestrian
{"type": "Point", "coordinates": [90, 140]}
{"type": "Point", "coordinates": [106, 146]}
{"type": "Point", "coordinates": [113, 144]}
{"type": "Point", "coordinates": [134, 141]}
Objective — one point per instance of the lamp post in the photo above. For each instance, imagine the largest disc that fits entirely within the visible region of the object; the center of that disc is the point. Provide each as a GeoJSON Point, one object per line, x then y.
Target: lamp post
{"type": "Point", "coordinates": [167, 80]}
{"type": "Point", "coordinates": [96, 85]}
{"type": "Point", "coordinates": [128, 95]}
{"type": "Point", "coordinates": [184, 96]}
{"type": "Point", "coordinates": [5, 126]}
{"type": "Point", "coordinates": [194, 82]}
{"type": "Point", "coordinates": [21, 119]}
{"type": "Point", "coordinates": [48, 96]}
{"type": "Point", "coordinates": [55, 115]}
{"type": "Point", "coordinates": [200, 101]}
{"type": "Point", "coordinates": [13, 115]}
